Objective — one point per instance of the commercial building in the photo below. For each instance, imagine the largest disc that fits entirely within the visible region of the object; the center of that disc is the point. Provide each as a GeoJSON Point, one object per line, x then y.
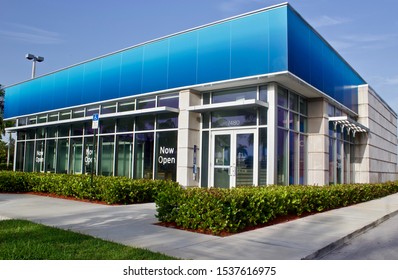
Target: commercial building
{"type": "Point", "coordinates": [256, 99]}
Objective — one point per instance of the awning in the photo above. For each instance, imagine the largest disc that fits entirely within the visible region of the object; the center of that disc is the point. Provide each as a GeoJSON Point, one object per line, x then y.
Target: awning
{"type": "Point", "coordinates": [349, 124]}
{"type": "Point", "coordinates": [238, 104]}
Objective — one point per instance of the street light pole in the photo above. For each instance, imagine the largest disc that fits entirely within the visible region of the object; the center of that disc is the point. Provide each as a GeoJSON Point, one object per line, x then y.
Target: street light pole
{"type": "Point", "coordinates": [34, 60]}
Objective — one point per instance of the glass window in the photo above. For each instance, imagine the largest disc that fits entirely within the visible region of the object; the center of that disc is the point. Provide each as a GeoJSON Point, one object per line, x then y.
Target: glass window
{"type": "Point", "coordinates": [293, 121]}
{"type": "Point", "coordinates": [77, 129]}
{"type": "Point", "coordinates": [106, 148]}
{"type": "Point", "coordinates": [205, 120]}
{"type": "Point", "coordinates": [206, 98]}
{"type": "Point", "coordinates": [330, 110]}
{"type": "Point", "coordinates": [42, 119]}
{"type": "Point", "coordinates": [303, 106]}
{"type": "Point", "coordinates": [29, 156]}
{"type": "Point", "coordinates": [21, 121]}
{"type": "Point", "coordinates": [19, 161]}
{"type": "Point", "coordinates": [52, 132]}
{"type": "Point", "coordinates": [263, 94]}
{"type": "Point", "coordinates": [31, 134]}
{"type": "Point", "coordinates": [51, 155]}
{"type": "Point", "coordinates": [89, 156]}
{"type": "Point", "coordinates": [282, 156]}
{"type": "Point", "coordinates": [144, 122]}
{"type": "Point", "coordinates": [92, 110]}
{"type": "Point", "coordinates": [293, 102]}
{"type": "Point", "coordinates": [166, 155]}
{"type": "Point", "coordinates": [282, 97]}
{"type": "Point", "coordinates": [125, 124]}
{"type": "Point", "coordinates": [108, 109]}
{"type": "Point", "coordinates": [41, 132]}
{"type": "Point", "coordinates": [63, 156]}
{"type": "Point", "coordinates": [303, 160]}
{"type": "Point", "coordinates": [293, 153]}
{"type": "Point", "coordinates": [263, 115]}
{"type": "Point", "coordinates": [143, 156]}
{"type": "Point", "coordinates": [53, 117]}
{"type": "Point", "coordinates": [234, 95]}
{"type": "Point", "coordinates": [331, 161]}
{"type": "Point", "coordinates": [66, 115]}
{"type": "Point", "coordinates": [76, 156]}
{"type": "Point", "coordinates": [167, 121]}
{"type": "Point", "coordinates": [88, 130]}
{"type": "Point", "coordinates": [39, 156]}
{"type": "Point", "coordinates": [146, 103]}
{"type": "Point", "coordinates": [169, 101]}
{"type": "Point", "coordinates": [33, 120]}
{"type": "Point", "coordinates": [204, 172]}
{"type": "Point", "coordinates": [126, 106]}
{"type": "Point", "coordinates": [262, 157]}
{"type": "Point", "coordinates": [282, 118]}
{"type": "Point", "coordinates": [124, 155]}
{"type": "Point", "coordinates": [21, 135]}
{"type": "Point", "coordinates": [303, 124]}
{"type": "Point", "coordinates": [63, 131]}
{"type": "Point", "coordinates": [79, 113]}
{"type": "Point", "coordinates": [231, 118]}
{"type": "Point", "coordinates": [107, 126]}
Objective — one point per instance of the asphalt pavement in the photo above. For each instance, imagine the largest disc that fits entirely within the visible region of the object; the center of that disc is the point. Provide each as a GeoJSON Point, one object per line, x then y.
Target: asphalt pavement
{"type": "Point", "coordinates": [310, 237]}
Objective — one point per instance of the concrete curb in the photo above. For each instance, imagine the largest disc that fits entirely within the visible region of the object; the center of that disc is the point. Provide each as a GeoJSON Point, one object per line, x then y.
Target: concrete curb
{"type": "Point", "coordinates": [340, 242]}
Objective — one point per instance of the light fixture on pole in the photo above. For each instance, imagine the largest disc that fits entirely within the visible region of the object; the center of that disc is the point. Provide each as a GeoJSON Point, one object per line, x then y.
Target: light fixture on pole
{"type": "Point", "coordinates": [34, 59]}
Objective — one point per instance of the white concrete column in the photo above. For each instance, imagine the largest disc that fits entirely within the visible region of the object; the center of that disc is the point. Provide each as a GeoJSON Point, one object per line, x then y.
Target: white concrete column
{"type": "Point", "coordinates": [318, 143]}
{"type": "Point", "coordinates": [272, 133]}
{"type": "Point", "coordinates": [188, 136]}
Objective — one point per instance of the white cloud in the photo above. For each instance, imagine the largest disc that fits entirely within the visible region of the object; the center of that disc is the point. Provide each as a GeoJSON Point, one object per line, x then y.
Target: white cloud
{"type": "Point", "coordinates": [327, 21]}
{"type": "Point", "coordinates": [30, 34]}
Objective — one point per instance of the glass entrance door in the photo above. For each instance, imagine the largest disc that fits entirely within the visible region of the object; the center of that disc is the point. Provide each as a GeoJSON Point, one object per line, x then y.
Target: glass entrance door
{"type": "Point", "coordinates": [234, 158]}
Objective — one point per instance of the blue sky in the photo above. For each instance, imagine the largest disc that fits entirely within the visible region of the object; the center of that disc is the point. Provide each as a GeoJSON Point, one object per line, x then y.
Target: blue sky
{"type": "Point", "coordinates": [68, 32]}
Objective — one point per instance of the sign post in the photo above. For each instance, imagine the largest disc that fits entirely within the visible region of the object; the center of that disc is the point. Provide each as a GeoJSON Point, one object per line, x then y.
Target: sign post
{"type": "Point", "coordinates": [94, 126]}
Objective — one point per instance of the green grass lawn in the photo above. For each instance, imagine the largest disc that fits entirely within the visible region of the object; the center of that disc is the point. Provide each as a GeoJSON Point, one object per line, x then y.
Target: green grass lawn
{"type": "Point", "coordinates": [24, 240]}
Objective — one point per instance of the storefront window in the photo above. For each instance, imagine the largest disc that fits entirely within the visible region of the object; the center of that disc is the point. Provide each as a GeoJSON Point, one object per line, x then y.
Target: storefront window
{"type": "Point", "coordinates": [169, 101]}
{"type": "Point", "coordinates": [51, 156]}
{"type": "Point", "coordinates": [234, 95]}
{"type": "Point", "coordinates": [143, 155]}
{"type": "Point", "coordinates": [282, 97]}
{"type": "Point", "coordinates": [19, 161]}
{"type": "Point", "coordinates": [107, 126]}
{"type": "Point", "coordinates": [77, 129]}
{"type": "Point", "coordinates": [124, 155]}
{"type": "Point", "coordinates": [166, 155]}
{"type": "Point", "coordinates": [63, 131]}
{"type": "Point", "coordinates": [63, 156]}
{"type": "Point", "coordinates": [29, 156]}
{"type": "Point", "coordinates": [282, 157]}
{"type": "Point", "coordinates": [125, 124]}
{"type": "Point", "coordinates": [167, 121]}
{"type": "Point", "coordinates": [51, 132]}
{"type": "Point", "coordinates": [39, 157]}
{"type": "Point", "coordinates": [232, 118]}
{"type": "Point", "coordinates": [89, 157]}
{"type": "Point", "coordinates": [262, 157]}
{"type": "Point", "coordinates": [106, 146]}
{"type": "Point", "coordinates": [144, 123]}
{"type": "Point", "coordinates": [76, 156]}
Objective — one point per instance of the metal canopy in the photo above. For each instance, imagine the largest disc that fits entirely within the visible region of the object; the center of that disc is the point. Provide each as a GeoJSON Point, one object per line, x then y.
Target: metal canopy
{"type": "Point", "coordinates": [350, 124]}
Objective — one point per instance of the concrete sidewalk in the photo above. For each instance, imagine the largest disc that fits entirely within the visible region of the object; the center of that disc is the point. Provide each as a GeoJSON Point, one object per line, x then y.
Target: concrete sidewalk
{"type": "Point", "coordinates": [306, 238]}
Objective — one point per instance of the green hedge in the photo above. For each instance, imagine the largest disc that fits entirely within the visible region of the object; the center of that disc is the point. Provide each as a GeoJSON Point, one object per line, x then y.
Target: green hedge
{"type": "Point", "coordinates": [233, 210]}
{"type": "Point", "coordinates": [112, 190]}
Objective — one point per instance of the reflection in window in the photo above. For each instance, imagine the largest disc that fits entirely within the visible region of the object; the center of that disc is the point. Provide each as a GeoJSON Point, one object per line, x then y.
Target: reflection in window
{"type": "Point", "coordinates": [262, 157]}
{"type": "Point", "coordinates": [29, 156]}
{"type": "Point", "coordinates": [146, 104]}
{"type": "Point", "coordinates": [243, 117]}
{"type": "Point", "coordinates": [63, 156]}
{"type": "Point", "coordinates": [124, 155]}
{"type": "Point", "coordinates": [106, 155]}
{"type": "Point", "coordinates": [169, 101]}
{"type": "Point", "coordinates": [143, 156]}
{"type": "Point", "coordinates": [167, 121]}
{"type": "Point", "coordinates": [234, 95]}
{"type": "Point", "coordinates": [76, 153]}
{"type": "Point", "coordinates": [125, 124]}
{"type": "Point", "coordinates": [126, 106]}
{"type": "Point", "coordinates": [51, 156]}
{"type": "Point", "coordinates": [144, 123]}
{"type": "Point", "coordinates": [20, 156]}
{"type": "Point", "coordinates": [282, 155]}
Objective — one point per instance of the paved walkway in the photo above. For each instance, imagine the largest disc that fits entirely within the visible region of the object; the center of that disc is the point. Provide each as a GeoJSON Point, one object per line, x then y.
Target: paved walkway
{"type": "Point", "coordinates": [306, 238]}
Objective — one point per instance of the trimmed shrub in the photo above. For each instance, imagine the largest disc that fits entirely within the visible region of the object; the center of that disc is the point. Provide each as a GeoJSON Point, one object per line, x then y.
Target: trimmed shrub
{"type": "Point", "coordinates": [232, 210]}
{"type": "Point", "coordinates": [112, 190]}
